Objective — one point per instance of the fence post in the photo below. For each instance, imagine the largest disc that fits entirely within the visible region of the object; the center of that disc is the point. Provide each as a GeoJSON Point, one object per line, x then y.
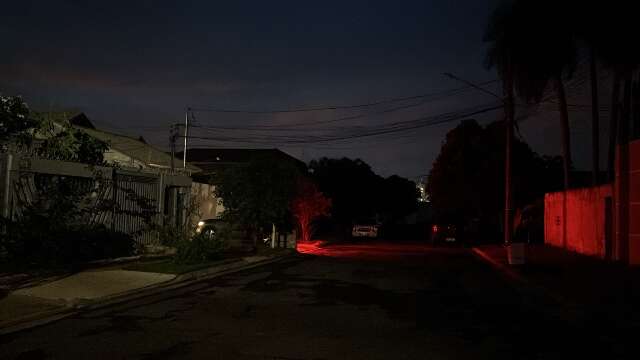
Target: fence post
{"type": "Point", "coordinates": [160, 204]}
{"type": "Point", "coordinates": [114, 198]}
{"type": "Point", "coordinates": [6, 184]}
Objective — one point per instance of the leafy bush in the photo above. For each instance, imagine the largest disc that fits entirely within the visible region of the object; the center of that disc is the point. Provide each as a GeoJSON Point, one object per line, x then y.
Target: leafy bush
{"type": "Point", "coordinates": [29, 244]}
{"type": "Point", "coordinates": [171, 235]}
{"type": "Point", "coordinates": [200, 248]}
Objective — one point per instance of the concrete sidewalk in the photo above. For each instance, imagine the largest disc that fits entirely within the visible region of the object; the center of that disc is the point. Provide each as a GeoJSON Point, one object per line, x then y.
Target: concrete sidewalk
{"type": "Point", "coordinates": [40, 304]}
{"type": "Point", "coordinates": [579, 281]}
{"type": "Point", "coordinates": [92, 285]}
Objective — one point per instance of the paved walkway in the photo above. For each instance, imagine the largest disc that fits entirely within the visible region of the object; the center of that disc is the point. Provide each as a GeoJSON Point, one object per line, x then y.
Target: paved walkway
{"type": "Point", "coordinates": [93, 285]}
{"type": "Point", "coordinates": [41, 301]}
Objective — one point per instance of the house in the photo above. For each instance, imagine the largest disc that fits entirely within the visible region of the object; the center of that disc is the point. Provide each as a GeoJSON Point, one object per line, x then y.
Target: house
{"type": "Point", "coordinates": [131, 152]}
{"type": "Point", "coordinates": [141, 180]}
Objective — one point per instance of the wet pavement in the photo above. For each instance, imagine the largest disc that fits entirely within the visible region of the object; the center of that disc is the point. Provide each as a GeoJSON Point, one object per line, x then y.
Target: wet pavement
{"type": "Point", "coordinates": [360, 301]}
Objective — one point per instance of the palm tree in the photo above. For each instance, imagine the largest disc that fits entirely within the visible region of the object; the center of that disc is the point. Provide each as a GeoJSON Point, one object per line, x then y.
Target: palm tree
{"type": "Point", "coordinates": [615, 46]}
{"type": "Point", "coordinates": [617, 50]}
{"type": "Point", "coordinates": [540, 53]}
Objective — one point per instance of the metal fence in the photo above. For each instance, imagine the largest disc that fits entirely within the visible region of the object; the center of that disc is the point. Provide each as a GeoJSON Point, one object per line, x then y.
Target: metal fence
{"type": "Point", "coordinates": [133, 202]}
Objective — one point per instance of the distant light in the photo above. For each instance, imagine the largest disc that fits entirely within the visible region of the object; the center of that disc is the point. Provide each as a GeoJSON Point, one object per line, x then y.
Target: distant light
{"type": "Point", "coordinates": [200, 223]}
{"type": "Point", "coordinates": [435, 228]}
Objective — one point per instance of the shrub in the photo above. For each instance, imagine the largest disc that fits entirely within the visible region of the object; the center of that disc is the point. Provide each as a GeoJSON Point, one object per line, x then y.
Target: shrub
{"type": "Point", "coordinates": [34, 242]}
{"type": "Point", "coordinates": [200, 248]}
{"type": "Point", "coordinates": [171, 235]}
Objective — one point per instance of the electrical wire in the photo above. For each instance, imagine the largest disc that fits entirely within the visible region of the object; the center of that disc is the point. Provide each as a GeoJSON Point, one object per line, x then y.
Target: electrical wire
{"type": "Point", "coordinates": [336, 107]}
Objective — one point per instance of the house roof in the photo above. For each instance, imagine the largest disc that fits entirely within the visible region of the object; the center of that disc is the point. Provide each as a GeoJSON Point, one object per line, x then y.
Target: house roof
{"type": "Point", "coordinates": [133, 147]}
{"type": "Point", "coordinates": [136, 149]}
{"type": "Point", "coordinates": [210, 159]}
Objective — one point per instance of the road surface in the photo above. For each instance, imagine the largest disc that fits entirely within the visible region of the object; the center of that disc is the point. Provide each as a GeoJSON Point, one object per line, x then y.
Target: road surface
{"type": "Point", "coordinates": [370, 301]}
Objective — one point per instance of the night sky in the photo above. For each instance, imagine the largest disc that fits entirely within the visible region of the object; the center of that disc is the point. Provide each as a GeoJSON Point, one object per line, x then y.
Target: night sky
{"type": "Point", "coordinates": [134, 67]}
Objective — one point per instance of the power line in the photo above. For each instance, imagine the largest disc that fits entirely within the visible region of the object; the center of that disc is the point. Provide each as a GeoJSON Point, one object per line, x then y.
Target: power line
{"type": "Point", "coordinates": [335, 107]}
{"type": "Point", "coordinates": [395, 128]}
{"type": "Point", "coordinates": [294, 126]}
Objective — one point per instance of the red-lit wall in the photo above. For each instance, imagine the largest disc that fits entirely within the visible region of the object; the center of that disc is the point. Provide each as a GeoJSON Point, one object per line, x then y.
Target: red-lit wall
{"type": "Point", "coordinates": [634, 203]}
{"type": "Point", "coordinates": [585, 213]}
{"type": "Point", "coordinates": [627, 203]}
{"type": "Point", "coordinates": [585, 219]}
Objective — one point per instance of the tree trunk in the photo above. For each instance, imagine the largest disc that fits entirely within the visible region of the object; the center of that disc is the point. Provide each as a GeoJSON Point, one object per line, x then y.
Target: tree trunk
{"type": "Point", "coordinates": [613, 126]}
{"type": "Point", "coordinates": [508, 186]}
{"type": "Point", "coordinates": [566, 137]}
{"type": "Point", "coordinates": [595, 120]}
{"type": "Point", "coordinates": [623, 169]}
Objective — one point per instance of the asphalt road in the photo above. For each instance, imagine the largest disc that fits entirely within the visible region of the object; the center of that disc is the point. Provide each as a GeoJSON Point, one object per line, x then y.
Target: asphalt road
{"type": "Point", "coordinates": [376, 301]}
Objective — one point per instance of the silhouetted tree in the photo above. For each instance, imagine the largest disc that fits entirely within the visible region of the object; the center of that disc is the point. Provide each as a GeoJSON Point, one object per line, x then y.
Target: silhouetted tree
{"type": "Point", "coordinates": [358, 194]}
{"type": "Point", "coordinates": [398, 198]}
{"type": "Point", "coordinates": [258, 194]}
{"type": "Point", "coordinates": [535, 41]}
{"type": "Point", "coordinates": [588, 32]}
{"type": "Point", "coordinates": [467, 178]}
{"type": "Point", "coordinates": [352, 186]}
{"type": "Point", "coordinates": [614, 44]}
{"type": "Point", "coordinates": [58, 140]}
{"type": "Point", "coordinates": [16, 123]}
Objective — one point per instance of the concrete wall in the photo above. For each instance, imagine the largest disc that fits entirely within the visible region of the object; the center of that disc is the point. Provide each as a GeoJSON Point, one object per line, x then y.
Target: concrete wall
{"type": "Point", "coordinates": [581, 216]}
{"type": "Point", "coordinates": [627, 203]}
{"type": "Point", "coordinates": [634, 202]}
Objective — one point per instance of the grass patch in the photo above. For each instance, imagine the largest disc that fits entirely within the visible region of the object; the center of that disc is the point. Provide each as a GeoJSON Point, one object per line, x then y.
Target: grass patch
{"type": "Point", "coordinates": [268, 251]}
{"type": "Point", "coordinates": [168, 266]}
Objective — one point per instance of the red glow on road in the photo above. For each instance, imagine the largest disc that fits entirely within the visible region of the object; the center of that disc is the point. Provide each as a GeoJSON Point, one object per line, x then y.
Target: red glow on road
{"type": "Point", "coordinates": [365, 250]}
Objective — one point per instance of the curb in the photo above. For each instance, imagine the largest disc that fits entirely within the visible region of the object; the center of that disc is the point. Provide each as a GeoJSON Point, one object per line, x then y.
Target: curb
{"type": "Point", "coordinates": [180, 281]}
{"type": "Point", "coordinates": [503, 268]}
{"type": "Point", "coordinates": [527, 286]}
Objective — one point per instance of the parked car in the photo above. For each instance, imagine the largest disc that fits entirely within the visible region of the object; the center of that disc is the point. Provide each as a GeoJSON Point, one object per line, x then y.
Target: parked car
{"type": "Point", "coordinates": [444, 234]}
{"type": "Point", "coordinates": [208, 227]}
{"type": "Point", "coordinates": [365, 230]}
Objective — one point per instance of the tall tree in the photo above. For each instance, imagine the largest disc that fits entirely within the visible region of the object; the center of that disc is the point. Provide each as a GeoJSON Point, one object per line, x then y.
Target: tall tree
{"type": "Point", "coordinates": [471, 151]}
{"type": "Point", "coordinates": [257, 195]}
{"type": "Point", "coordinates": [614, 46]}
{"type": "Point", "coordinates": [536, 54]}
{"type": "Point", "coordinates": [353, 187]}
{"type": "Point", "coordinates": [358, 194]}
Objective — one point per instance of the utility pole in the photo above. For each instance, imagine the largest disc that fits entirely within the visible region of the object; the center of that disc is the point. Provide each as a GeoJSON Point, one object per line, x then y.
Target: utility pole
{"type": "Point", "coordinates": [508, 160]}
{"type": "Point", "coordinates": [509, 109]}
{"type": "Point", "coordinates": [172, 139]}
{"type": "Point", "coordinates": [186, 134]}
